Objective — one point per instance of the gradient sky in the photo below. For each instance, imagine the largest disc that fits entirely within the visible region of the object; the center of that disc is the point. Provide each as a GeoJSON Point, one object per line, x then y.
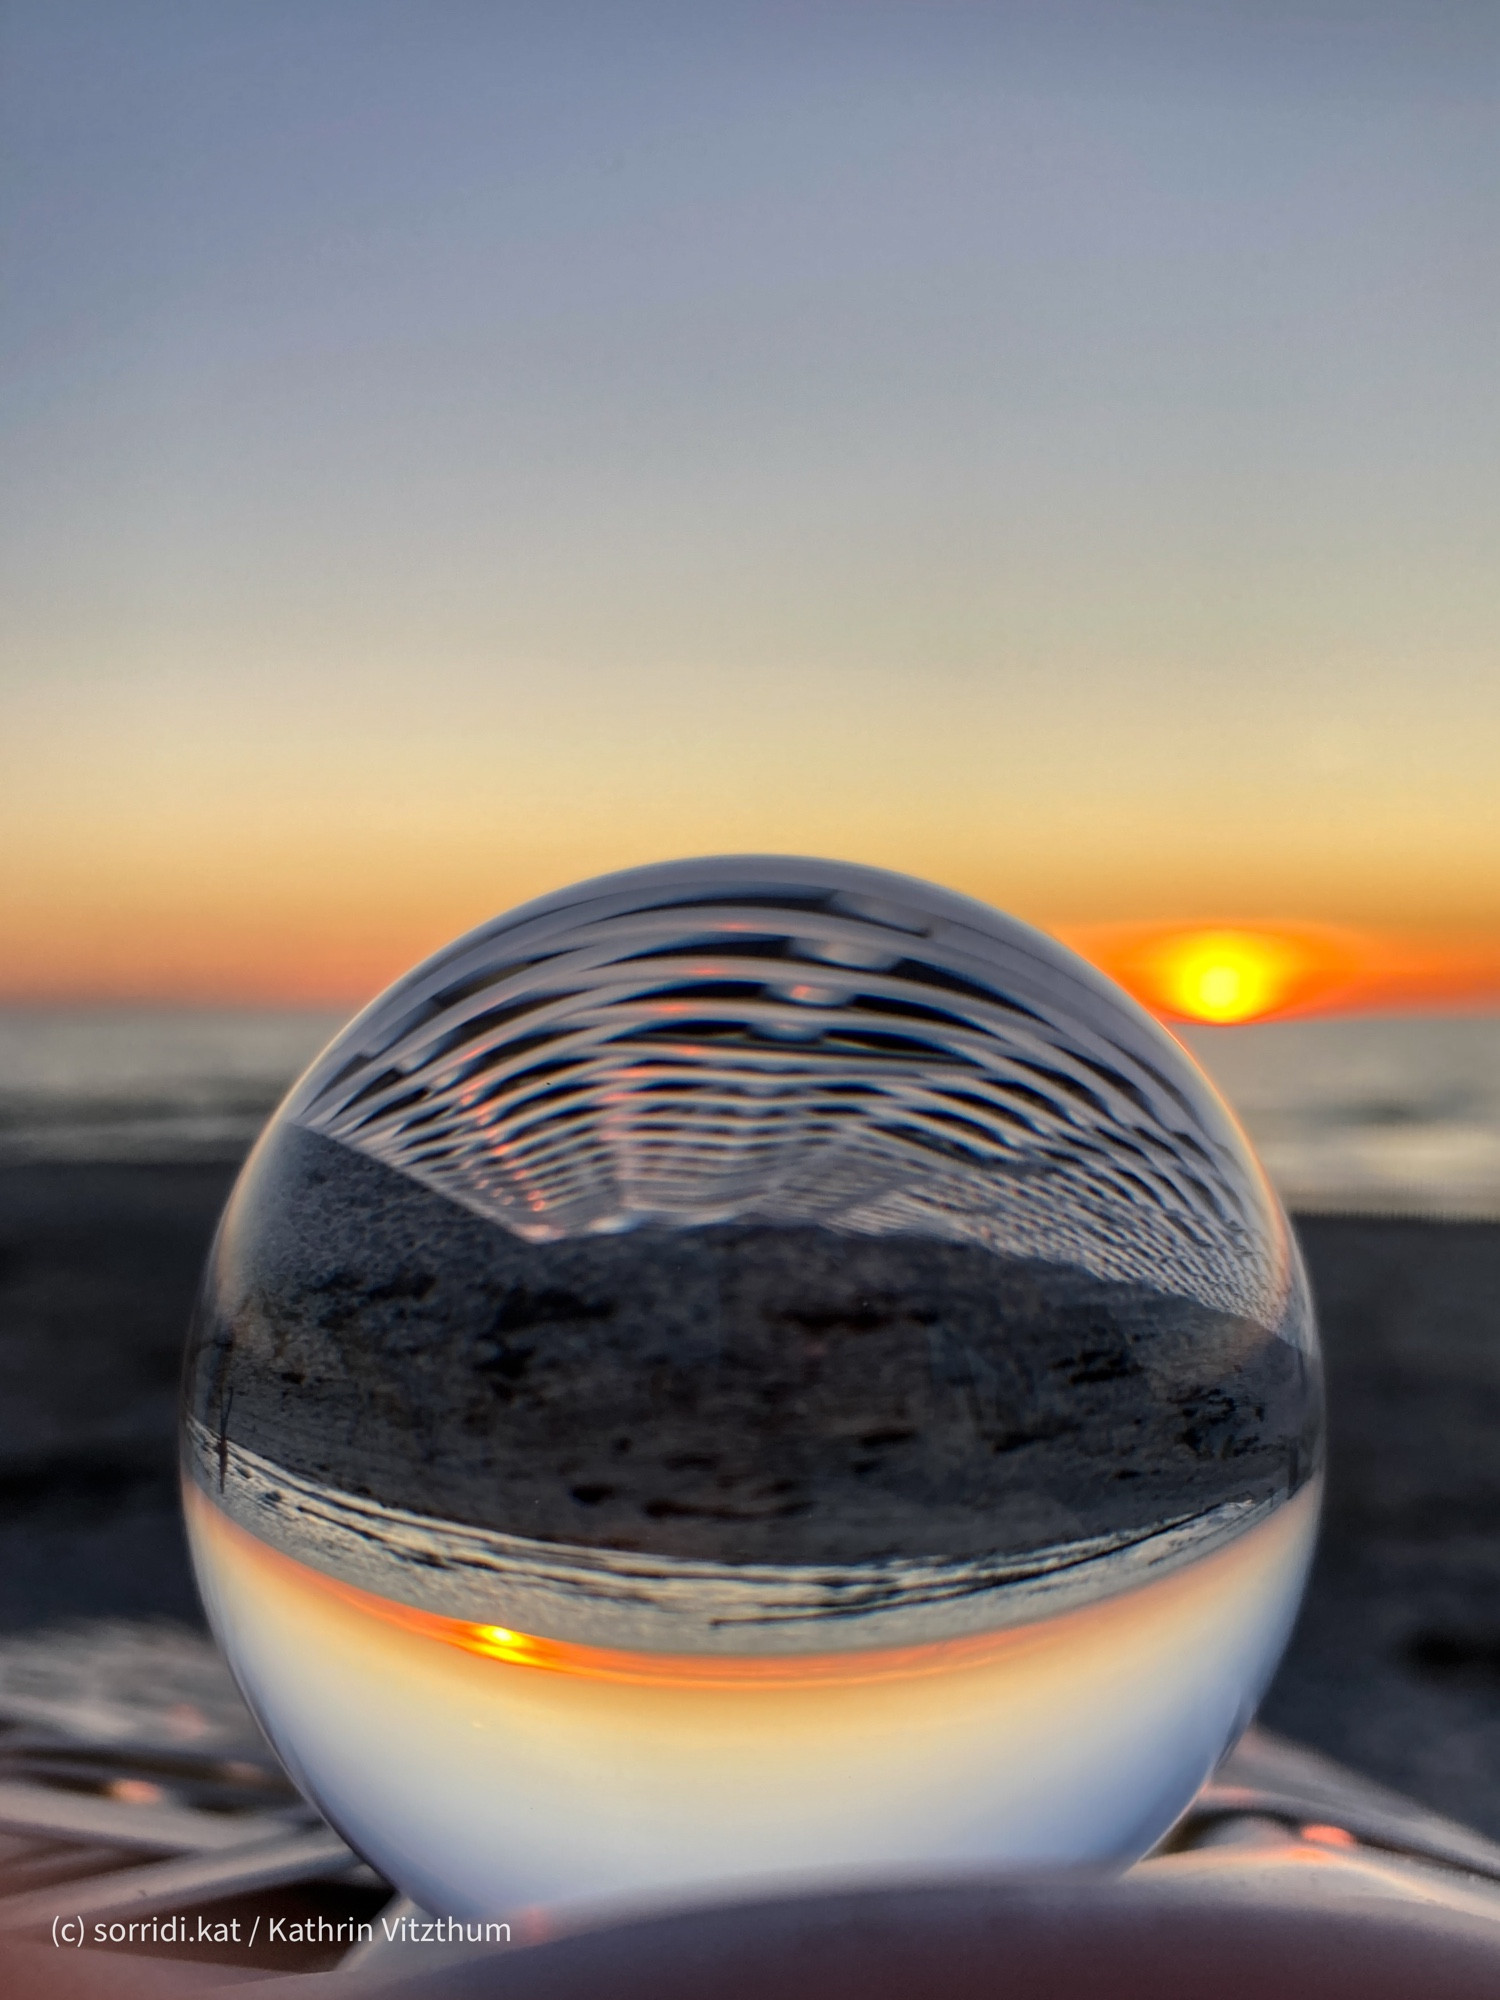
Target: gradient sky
{"type": "Point", "coordinates": [450, 449]}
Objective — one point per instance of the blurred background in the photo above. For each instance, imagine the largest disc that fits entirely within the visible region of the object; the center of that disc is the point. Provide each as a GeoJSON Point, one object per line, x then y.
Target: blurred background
{"type": "Point", "coordinates": [447, 450]}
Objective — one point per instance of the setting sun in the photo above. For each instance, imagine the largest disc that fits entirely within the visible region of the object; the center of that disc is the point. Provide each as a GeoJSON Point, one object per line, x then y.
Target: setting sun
{"type": "Point", "coordinates": [1227, 975]}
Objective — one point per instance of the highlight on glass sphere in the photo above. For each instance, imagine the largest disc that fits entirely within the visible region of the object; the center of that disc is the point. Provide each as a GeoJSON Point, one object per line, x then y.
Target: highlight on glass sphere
{"type": "Point", "coordinates": [750, 1371]}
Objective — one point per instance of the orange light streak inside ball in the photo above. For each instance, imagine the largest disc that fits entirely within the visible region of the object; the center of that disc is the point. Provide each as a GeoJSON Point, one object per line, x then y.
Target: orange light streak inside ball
{"type": "Point", "coordinates": [637, 1669]}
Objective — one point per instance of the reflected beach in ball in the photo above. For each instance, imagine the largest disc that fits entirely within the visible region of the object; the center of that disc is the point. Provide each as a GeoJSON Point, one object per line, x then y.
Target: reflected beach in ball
{"type": "Point", "coordinates": [747, 1371]}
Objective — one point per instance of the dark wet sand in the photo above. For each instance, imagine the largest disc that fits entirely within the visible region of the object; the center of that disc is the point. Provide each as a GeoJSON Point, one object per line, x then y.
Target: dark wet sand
{"type": "Point", "coordinates": [1396, 1665]}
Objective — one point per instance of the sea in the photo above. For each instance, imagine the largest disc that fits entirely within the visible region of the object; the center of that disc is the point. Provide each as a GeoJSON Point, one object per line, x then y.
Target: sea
{"type": "Point", "coordinates": [1372, 1114]}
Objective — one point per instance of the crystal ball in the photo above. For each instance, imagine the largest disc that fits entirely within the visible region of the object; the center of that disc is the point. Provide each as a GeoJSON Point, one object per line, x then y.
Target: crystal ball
{"type": "Point", "coordinates": [749, 1371]}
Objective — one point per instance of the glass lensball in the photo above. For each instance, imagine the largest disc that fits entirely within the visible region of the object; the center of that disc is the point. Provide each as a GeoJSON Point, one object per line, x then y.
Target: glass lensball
{"type": "Point", "coordinates": [750, 1370]}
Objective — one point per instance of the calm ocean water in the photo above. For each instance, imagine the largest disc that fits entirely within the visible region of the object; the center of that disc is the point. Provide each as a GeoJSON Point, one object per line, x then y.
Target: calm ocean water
{"type": "Point", "coordinates": [1394, 1114]}
{"type": "Point", "coordinates": [137, 1083]}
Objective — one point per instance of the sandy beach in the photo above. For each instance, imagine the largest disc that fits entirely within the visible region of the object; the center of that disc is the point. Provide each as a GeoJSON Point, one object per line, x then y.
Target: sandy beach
{"type": "Point", "coordinates": [1396, 1664]}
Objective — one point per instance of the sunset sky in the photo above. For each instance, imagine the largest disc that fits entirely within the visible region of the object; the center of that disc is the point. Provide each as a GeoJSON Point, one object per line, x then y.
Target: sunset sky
{"type": "Point", "coordinates": [450, 449]}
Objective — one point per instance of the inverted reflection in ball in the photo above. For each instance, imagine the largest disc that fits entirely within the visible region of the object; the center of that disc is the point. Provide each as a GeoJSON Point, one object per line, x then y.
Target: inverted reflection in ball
{"type": "Point", "coordinates": [744, 1369]}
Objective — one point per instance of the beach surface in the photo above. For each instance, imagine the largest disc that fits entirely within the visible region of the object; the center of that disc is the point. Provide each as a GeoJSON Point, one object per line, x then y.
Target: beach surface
{"type": "Point", "coordinates": [1396, 1664]}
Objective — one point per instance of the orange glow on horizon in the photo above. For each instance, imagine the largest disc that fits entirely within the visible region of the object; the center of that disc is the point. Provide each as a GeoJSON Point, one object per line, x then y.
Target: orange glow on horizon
{"type": "Point", "coordinates": [282, 942]}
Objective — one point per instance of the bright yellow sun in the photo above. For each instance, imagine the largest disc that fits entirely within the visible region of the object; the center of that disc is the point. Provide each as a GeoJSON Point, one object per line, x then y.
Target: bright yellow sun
{"type": "Point", "coordinates": [1226, 975]}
